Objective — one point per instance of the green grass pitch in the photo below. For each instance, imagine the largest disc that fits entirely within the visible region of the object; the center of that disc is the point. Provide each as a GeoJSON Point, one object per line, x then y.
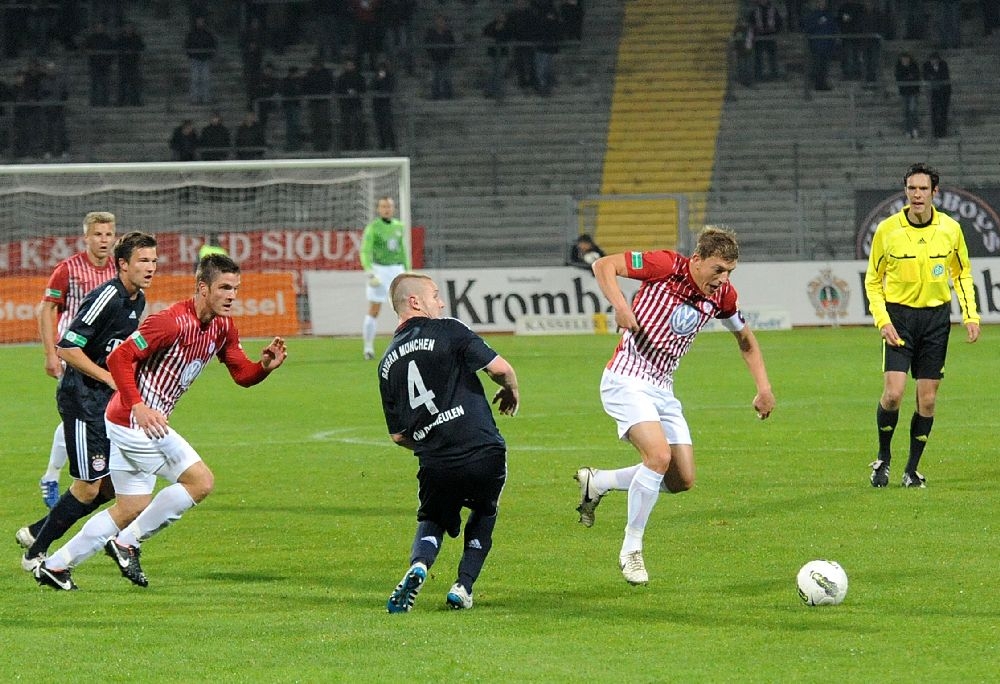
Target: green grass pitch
{"type": "Point", "coordinates": [282, 574]}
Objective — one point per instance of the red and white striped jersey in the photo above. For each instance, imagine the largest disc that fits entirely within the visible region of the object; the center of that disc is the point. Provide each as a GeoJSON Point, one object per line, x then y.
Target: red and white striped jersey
{"type": "Point", "coordinates": [69, 283]}
{"type": "Point", "coordinates": [161, 360]}
{"type": "Point", "coordinates": [670, 310]}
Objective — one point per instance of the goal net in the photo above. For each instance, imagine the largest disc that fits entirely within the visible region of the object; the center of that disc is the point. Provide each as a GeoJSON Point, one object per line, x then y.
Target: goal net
{"type": "Point", "coordinates": [273, 216]}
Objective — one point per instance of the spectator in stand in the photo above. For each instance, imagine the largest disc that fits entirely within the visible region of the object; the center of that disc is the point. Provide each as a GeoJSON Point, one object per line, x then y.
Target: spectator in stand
{"type": "Point", "coordinates": [317, 87]}
{"type": "Point", "coordinates": [991, 16]}
{"type": "Point", "coordinates": [111, 13]}
{"type": "Point", "coordinates": [821, 27]}
{"type": "Point", "coordinates": [547, 35]}
{"type": "Point", "coordinates": [200, 45]}
{"type": "Point", "coordinates": [368, 31]}
{"type": "Point", "coordinates": [522, 32]}
{"type": "Point", "coordinates": [336, 21]}
{"type": "Point", "coordinates": [939, 81]}
{"type": "Point", "coordinates": [253, 32]}
{"type": "Point", "coordinates": [130, 46]}
{"type": "Point", "coordinates": [214, 140]}
{"type": "Point", "coordinates": [498, 32]}
{"type": "Point", "coordinates": [291, 105]}
{"type": "Point", "coordinates": [853, 20]}
{"type": "Point", "coordinates": [884, 18]}
{"type": "Point", "coordinates": [40, 21]}
{"type": "Point", "coordinates": [871, 51]}
{"type": "Point", "coordinates": [99, 46]}
{"type": "Point", "coordinates": [742, 39]}
{"type": "Point", "coordinates": [585, 251]}
{"type": "Point", "coordinates": [914, 19]}
{"type": "Point", "coordinates": [30, 110]}
{"type": "Point", "coordinates": [383, 86]}
{"type": "Point", "coordinates": [251, 142]}
{"type": "Point", "coordinates": [908, 82]}
{"type": "Point", "coordinates": [7, 97]}
{"type": "Point", "coordinates": [252, 54]}
{"type": "Point", "coordinates": [440, 42]}
{"type": "Point", "coordinates": [54, 92]}
{"type": "Point", "coordinates": [399, 25]}
{"type": "Point", "coordinates": [766, 22]}
{"type": "Point", "coordinates": [949, 23]}
{"type": "Point", "coordinates": [184, 142]}
{"type": "Point", "coordinates": [265, 92]}
{"type": "Point", "coordinates": [571, 18]}
{"type": "Point", "coordinates": [350, 87]}
{"type": "Point", "coordinates": [68, 25]}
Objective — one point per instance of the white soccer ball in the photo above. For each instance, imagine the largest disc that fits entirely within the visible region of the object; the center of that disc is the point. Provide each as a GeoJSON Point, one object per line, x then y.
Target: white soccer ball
{"type": "Point", "coordinates": [591, 257]}
{"type": "Point", "coordinates": [822, 583]}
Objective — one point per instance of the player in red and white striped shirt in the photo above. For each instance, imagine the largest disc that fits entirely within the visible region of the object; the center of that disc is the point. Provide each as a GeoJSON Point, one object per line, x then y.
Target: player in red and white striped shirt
{"type": "Point", "coordinates": [70, 281]}
{"type": "Point", "coordinates": [151, 370]}
{"type": "Point", "coordinates": [678, 296]}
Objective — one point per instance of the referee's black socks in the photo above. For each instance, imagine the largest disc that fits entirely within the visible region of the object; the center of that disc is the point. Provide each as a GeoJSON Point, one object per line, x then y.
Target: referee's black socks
{"type": "Point", "coordinates": [920, 430]}
{"type": "Point", "coordinates": [886, 421]}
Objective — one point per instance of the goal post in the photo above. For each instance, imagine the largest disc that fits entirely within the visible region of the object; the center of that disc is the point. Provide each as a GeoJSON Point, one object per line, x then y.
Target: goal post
{"type": "Point", "coordinates": [273, 216]}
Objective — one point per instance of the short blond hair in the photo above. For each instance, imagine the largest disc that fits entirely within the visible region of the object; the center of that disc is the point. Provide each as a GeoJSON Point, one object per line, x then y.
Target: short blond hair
{"type": "Point", "coordinates": [717, 241]}
{"type": "Point", "coordinates": [95, 217]}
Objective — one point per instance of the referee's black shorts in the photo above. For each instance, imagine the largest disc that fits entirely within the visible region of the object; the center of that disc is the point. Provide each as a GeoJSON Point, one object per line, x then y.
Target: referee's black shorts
{"type": "Point", "coordinates": [925, 335]}
{"type": "Point", "coordinates": [476, 485]}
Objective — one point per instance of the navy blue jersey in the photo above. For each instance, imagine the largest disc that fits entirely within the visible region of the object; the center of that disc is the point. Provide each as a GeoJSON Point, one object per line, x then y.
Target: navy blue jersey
{"type": "Point", "coordinates": [105, 319]}
{"type": "Point", "coordinates": [431, 391]}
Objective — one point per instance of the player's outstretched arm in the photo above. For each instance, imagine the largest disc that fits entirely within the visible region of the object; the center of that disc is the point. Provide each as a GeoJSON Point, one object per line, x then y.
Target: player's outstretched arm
{"type": "Point", "coordinates": [507, 398]}
{"type": "Point", "coordinates": [763, 401]}
{"type": "Point", "coordinates": [274, 354]}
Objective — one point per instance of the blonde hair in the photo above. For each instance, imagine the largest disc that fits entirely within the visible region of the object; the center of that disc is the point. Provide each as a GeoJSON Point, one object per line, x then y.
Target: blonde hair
{"type": "Point", "coordinates": [95, 217]}
{"type": "Point", "coordinates": [717, 241]}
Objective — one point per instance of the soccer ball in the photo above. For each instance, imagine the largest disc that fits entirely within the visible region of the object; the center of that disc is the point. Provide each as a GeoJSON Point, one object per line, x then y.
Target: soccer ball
{"type": "Point", "coordinates": [822, 583]}
{"type": "Point", "coordinates": [591, 257]}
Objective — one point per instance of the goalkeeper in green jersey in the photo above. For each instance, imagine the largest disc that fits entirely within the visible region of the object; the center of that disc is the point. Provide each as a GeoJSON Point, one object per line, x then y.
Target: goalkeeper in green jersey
{"type": "Point", "coordinates": [384, 255]}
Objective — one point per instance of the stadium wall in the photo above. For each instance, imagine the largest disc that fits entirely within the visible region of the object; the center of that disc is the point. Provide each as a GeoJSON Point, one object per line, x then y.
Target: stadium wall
{"type": "Point", "coordinates": [492, 300]}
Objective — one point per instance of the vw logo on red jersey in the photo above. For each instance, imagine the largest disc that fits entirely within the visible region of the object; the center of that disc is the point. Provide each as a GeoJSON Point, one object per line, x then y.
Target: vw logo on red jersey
{"type": "Point", "coordinates": [190, 372]}
{"type": "Point", "coordinates": [684, 320]}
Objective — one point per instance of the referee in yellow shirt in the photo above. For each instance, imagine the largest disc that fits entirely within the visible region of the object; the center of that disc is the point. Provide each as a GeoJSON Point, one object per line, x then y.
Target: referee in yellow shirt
{"type": "Point", "coordinates": [914, 254]}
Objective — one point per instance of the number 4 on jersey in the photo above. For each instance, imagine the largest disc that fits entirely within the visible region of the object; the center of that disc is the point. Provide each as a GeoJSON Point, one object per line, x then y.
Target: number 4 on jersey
{"type": "Point", "coordinates": [419, 394]}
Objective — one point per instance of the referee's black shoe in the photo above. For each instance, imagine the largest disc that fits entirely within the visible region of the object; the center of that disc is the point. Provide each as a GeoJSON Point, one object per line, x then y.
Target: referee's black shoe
{"type": "Point", "coordinates": [880, 473]}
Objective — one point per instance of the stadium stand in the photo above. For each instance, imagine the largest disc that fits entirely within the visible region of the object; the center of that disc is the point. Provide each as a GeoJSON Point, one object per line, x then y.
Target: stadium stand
{"type": "Point", "coordinates": [499, 183]}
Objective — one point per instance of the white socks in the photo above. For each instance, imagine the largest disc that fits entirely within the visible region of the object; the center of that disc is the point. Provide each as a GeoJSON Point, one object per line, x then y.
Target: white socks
{"type": "Point", "coordinates": [57, 455]}
{"type": "Point", "coordinates": [165, 509]}
{"type": "Point", "coordinates": [642, 495]}
{"type": "Point", "coordinates": [621, 479]}
{"type": "Point", "coordinates": [91, 538]}
{"type": "Point", "coordinates": [368, 333]}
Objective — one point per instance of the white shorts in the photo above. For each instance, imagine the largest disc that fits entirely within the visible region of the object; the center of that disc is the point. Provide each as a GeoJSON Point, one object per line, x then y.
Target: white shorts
{"type": "Point", "coordinates": [631, 400]}
{"type": "Point", "coordinates": [385, 274]}
{"type": "Point", "coordinates": [136, 460]}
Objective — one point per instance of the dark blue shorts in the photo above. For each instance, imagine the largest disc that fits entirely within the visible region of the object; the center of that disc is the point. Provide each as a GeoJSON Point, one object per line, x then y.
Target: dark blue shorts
{"type": "Point", "coordinates": [476, 485]}
{"type": "Point", "coordinates": [88, 447]}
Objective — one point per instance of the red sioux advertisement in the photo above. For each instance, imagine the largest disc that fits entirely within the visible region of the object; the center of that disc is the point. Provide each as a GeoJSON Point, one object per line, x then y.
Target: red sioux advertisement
{"type": "Point", "coordinates": [272, 262]}
{"type": "Point", "coordinates": [266, 250]}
